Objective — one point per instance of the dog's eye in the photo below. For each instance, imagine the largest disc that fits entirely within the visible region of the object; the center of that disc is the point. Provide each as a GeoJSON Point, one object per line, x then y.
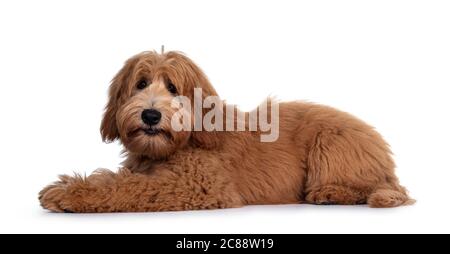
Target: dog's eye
{"type": "Point", "coordinates": [142, 84]}
{"type": "Point", "coordinates": [172, 88]}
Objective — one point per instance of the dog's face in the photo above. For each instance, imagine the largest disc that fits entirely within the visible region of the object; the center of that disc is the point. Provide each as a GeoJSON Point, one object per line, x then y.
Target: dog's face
{"type": "Point", "coordinates": [141, 104]}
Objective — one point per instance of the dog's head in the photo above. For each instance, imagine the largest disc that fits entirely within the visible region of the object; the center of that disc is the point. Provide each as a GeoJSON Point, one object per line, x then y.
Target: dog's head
{"type": "Point", "coordinates": [140, 106]}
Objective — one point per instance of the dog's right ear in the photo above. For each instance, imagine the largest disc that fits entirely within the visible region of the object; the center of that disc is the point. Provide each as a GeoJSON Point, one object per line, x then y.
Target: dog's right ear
{"type": "Point", "coordinates": [117, 94]}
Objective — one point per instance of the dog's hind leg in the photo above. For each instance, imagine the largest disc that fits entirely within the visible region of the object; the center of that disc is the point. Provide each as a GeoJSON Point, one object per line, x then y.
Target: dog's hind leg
{"type": "Point", "coordinates": [352, 166]}
{"type": "Point", "coordinates": [342, 195]}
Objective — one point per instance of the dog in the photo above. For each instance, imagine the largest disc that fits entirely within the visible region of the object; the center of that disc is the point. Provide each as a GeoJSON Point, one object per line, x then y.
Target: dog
{"type": "Point", "coordinates": [320, 156]}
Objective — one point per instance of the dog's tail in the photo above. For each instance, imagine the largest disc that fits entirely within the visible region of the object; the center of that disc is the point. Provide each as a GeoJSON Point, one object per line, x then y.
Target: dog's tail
{"type": "Point", "coordinates": [389, 197]}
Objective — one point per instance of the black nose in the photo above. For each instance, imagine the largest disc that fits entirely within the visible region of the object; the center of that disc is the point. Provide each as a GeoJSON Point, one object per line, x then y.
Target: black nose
{"type": "Point", "coordinates": [151, 116]}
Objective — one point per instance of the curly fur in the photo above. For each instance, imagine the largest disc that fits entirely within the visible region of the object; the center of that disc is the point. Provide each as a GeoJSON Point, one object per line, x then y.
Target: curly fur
{"type": "Point", "coordinates": [322, 155]}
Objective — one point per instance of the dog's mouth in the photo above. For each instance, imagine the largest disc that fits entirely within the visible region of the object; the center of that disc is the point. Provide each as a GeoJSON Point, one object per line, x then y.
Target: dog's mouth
{"type": "Point", "coordinates": [150, 131]}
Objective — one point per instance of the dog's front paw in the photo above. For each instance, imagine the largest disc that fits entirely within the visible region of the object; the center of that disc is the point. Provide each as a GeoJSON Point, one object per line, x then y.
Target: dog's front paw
{"type": "Point", "coordinates": [54, 197]}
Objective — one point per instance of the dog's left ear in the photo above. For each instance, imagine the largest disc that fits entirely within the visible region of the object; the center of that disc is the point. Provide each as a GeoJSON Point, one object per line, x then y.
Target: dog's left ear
{"type": "Point", "coordinates": [207, 139]}
{"type": "Point", "coordinates": [117, 94]}
{"type": "Point", "coordinates": [193, 77]}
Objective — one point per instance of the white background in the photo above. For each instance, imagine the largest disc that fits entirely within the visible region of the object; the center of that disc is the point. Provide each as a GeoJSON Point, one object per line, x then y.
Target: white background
{"type": "Point", "coordinates": [387, 62]}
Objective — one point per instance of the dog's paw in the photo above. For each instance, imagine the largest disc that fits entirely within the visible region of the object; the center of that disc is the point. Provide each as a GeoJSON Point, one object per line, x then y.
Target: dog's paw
{"type": "Point", "coordinates": [322, 198]}
{"type": "Point", "coordinates": [51, 196]}
{"type": "Point", "coordinates": [333, 195]}
{"type": "Point", "coordinates": [54, 197]}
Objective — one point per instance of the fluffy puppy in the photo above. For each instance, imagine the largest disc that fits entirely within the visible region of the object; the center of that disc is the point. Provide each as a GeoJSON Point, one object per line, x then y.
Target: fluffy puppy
{"type": "Point", "coordinates": [321, 155]}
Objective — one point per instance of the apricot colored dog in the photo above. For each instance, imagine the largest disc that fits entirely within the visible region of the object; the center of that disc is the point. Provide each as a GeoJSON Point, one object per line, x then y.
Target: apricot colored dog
{"type": "Point", "coordinates": [321, 155]}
